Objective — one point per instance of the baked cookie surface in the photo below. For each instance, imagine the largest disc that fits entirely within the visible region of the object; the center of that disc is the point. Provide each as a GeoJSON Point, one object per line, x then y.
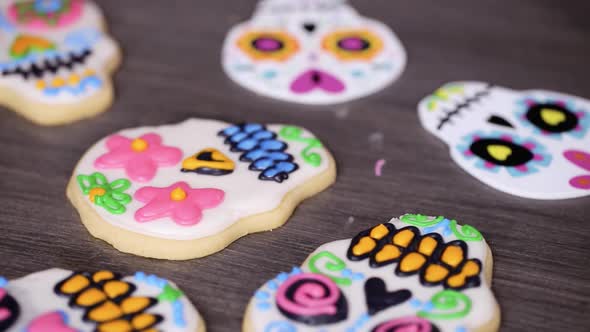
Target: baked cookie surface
{"type": "Point", "coordinates": [56, 60]}
{"type": "Point", "coordinates": [188, 190]}
{"type": "Point", "coordinates": [415, 273]}
{"type": "Point", "coordinates": [58, 300]}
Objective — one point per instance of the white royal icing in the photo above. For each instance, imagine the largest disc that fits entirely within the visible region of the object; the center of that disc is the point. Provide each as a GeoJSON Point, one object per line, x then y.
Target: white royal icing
{"type": "Point", "coordinates": [245, 194]}
{"type": "Point", "coordinates": [84, 33]}
{"type": "Point", "coordinates": [36, 296]}
{"type": "Point", "coordinates": [266, 316]}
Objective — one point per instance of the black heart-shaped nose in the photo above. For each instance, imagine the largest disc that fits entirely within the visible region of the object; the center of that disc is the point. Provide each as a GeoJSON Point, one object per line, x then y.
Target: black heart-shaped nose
{"type": "Point", "coordinates": [309, 27]}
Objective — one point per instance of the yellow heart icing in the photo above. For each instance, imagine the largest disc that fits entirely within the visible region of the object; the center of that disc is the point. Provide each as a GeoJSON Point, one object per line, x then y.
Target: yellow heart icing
{"type": "Point", "coordinates": [552, 117]}
{"type": "Point", "coordinates": [499, 152]}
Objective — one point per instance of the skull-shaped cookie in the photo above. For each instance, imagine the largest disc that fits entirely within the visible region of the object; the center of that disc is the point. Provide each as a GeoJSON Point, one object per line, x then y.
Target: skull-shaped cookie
{"type": "Point", "coordinates": [188, 190]}
{"type": "Point", "coordinates": [58, 300]}
{"type": "Point", "coordinates": [56, 59]}
{"type": "Point", "coordinates": [533, 144]}
{"type": "Point", "coordinates": [415, 273]}
{"type": "Point", "coordinates": [312, 52]}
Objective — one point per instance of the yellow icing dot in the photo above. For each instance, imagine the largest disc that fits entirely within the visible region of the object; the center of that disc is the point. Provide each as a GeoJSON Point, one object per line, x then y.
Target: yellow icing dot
{"type": "Point", "coordinates": [453, 255]}
{"type": "Point", "coordinates": [102, 276]}
{"type": "Point", "coordinates": [388, 252]}
{"type": "Point", "coordinates": [120, 325]}
{"type": "Point", "coordinates": [403, 238]}
{"type": "Point", "coordinates": [412, 262]}
{"type": "Point", "coordinates": [90, 297]}
{"type": "Point", "coordinates": [116, 288]}
{"type": "Point", "coordinates": [139, 145]}
{"type": "Point", "coordinates": [435, 273]}
{"type": "Point", "coordinates": [105, 312]}
{"type": "Point", "coordinates": [75, 284]}
{"type": "Point", "coordinates": [133, 305]}
{"type": "Point", "coordinates": [427, 245]}
{"type": "Point", "coordinates": [74, 79]}
{"type": "Point", "coordinates": [40, 84]}
{"type": "Point", "coordinates": [88, 72]}
{"type": "Point", "coordinates": [143, 321]}
{"type": "Point", "coordinates": [365, 245]}
{"type": "Point", "coordinates": [58, 82]}
{"type": "Point", "coordinates": [177, 194]}
{"type": "Point", "coordinates": [378, 232]}
{"type": "Point", "coordinates": [96, 192]}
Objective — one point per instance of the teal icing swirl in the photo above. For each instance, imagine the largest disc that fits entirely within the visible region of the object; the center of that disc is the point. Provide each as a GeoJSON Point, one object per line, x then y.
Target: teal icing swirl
{"type": "Point", "coordinates": [333, 264]}
{"type": "Point", "coordinates": [420, 220]}
{"type": "Point", "coordinates": [447, 304]}
{"type": "Point", "coordinates": [466, 232]}
{"type": "Point", "coordinates": [293, 133]}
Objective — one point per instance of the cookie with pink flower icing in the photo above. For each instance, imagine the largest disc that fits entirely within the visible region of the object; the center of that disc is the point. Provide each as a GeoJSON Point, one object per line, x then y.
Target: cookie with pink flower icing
{"type": "Point", "coordinates": [190, 189]}
{"type": "Point", "coordinates": [415, 273]}
{"type": "Point", "coordinates": [56, 60]}
{"type": "Point", "coordinates": [57, 300]}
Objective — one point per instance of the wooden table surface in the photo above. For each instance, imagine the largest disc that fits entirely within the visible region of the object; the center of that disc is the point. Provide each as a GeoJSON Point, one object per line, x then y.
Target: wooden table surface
{"type": "Point", "coordinates": [171, 71]}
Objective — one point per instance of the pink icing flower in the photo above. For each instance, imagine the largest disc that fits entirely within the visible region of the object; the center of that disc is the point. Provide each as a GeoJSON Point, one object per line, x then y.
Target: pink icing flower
{"type": "Point", "coordinates": [140, 157]}
{"type": "Point", "coordinates": [178, 201]}
{"type": "Point", "coordinates": [50, 322]}
{"type": "Point", "coordinates": [582, 160]}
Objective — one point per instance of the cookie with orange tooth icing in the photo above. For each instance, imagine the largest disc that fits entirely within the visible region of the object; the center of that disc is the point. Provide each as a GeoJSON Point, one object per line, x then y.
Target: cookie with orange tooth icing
{"type": "Point", "coordinates": [188, 190]}
{"type": "Point", "coordinates": [415, 273]}
{"type": "Point", "coordinates": [58, 300]}
{"type": "Point", "coordinates": [56, 60]}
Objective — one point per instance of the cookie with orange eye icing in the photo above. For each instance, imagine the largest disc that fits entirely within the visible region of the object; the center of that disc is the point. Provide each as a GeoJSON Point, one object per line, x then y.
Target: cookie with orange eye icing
{"type": "Point", "coordinates": [312, 52]}
{"type": "Point", "coordinates": [188, 190]}
{"type": "Point", "coordinates": [56, 60]}
{"type": "Point", "coordinates": [58, 300]}
{"type": "Point", "coordinates": [415, 273]}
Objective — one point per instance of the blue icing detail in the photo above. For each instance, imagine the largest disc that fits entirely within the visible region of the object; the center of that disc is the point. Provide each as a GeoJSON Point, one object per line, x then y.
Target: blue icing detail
{"type": "Point", "coordinates": [262, 149]}
{"type": "Point", "coordinates": [269, 74]}
{"type": "Point", "coordinates": [280, 326]}
{"type": "Point", "coordinates": [261, 295]}
{"type": "Point", "coordinates": [3, 282]}
{"type": "Point", "coordinates": [460, 329]}
{"type": "Point", "coordinates": [282, 277]}
{"type": "Point", "coordinates": [82, 39]}
{"type": "Point", "coordinates": [359, 323]}
{"type": "Point", "coordinates": [178, 313]}
{"type": "Point", "coordinates": [5, 25]}
{"type": "Point", "coordinates": [264, 306]}
{"type": "Point", "coordinates": [86, 82]}
{"type": "Point", "coordinates": [273, 285]}
{"type": "Point", "coordinates": [296, 270]}
{"type": "Point", "coordinates": [445, 225]}
{"type": "Point", "coordinates": [415, 303]}
{"type": "Point", "coordinates": [48, 6]}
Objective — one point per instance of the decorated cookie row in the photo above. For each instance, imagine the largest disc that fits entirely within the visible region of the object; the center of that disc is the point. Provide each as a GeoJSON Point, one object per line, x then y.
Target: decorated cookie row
{"type": "Point", "coordinates": [415, 273]}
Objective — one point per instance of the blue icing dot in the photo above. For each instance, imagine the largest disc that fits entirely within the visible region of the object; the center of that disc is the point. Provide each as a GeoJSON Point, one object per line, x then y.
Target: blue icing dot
{"type": "Point", "coordinates": [282, 277]}
{"type": "Point", "coordinates": [346, 273]}
{"type": "Point", "coordinates": [269, 74]}
{"type": "Point", "coordinates": [460, 329]}
{"type": "Point", "coordinates": [261, 295]}
{"type": "Point", "coordinates": [140, 276]}
{"type": "Point", "coordinates": [273, 285]}
{"type": "Point", "coordinates": [3, 282]}
{"type": "Point", "coordinates": [415, 303]}
{"type": "Point", "coordinates": [295, 270]}
{"type": "Point", "coordinates": [263, 306]}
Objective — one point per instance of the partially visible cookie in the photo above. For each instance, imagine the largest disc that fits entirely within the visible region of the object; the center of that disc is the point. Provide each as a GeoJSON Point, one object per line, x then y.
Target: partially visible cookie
{"type": "Point", "coordinates": [56, 60]}
{"type": "Point", "coordinates": [58, 300]}
{"type": "Point", "coordinates": [415, 273]}
{"type": "Point", "coordinates": [188, 190]}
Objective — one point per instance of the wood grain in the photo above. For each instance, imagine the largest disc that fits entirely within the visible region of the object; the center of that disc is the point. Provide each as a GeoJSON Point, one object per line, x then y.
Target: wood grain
{"type": "Point", "coordinates": [171, 71]}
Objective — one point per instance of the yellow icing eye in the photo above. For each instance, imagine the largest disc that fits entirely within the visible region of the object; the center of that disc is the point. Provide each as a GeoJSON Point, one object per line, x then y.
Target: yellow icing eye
{"type": "Point", "coordinates": [268, 45]}
{"type": "Point", "coordinates": [350, 45]}
{"type": "Point", "coordinates": [499, 152]}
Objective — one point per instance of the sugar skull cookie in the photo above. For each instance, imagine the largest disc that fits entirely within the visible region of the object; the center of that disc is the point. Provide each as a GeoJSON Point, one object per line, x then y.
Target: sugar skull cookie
{"type": "Point", "coordinates": [312, 52]}
{"type": "Point", "coordinates": [58, 300]}
{"type": "Point", "coordinates": [533, 144]}
{"type": "Point", "coordinates": [188, 190]}
{"type": "Point", "coordinates": [415, 273]}
{"type": "Point", "coordinates": [56, 60]}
